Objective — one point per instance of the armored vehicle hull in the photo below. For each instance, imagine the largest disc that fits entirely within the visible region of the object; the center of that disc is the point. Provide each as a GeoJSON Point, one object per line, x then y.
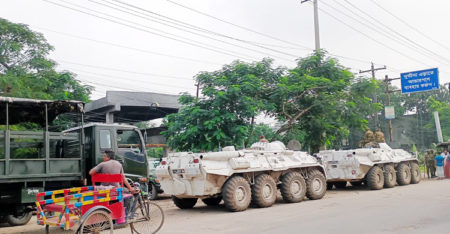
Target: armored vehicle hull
{"type": "Point", "coordinates": [377, 167]}
{"type": "Point", "coordinates": [239, 177]}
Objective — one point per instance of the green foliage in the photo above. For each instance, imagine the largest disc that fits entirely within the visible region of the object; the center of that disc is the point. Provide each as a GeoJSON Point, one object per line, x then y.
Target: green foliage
{"type": "Point", "coordinates": [232, 97]}
{"type": "Point", "coordinates": [443, 109]}
{"type": "Point", "coordinates": [155, 152]}
{"type": "Point", "coordinates": [25, 70]}
{"type": "Point", "coordinates": [263, 129]}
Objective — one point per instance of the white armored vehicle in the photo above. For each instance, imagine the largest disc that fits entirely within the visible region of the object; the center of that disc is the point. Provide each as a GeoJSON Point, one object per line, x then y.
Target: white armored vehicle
{"type": "Point", "coordinates": [377, 167]}
{"type": "Point", "coordinates": [239, 177]}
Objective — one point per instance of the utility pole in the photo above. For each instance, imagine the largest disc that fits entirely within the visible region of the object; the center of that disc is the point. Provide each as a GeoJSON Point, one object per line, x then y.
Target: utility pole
{"type": "Point", "coordinates": [198, 87]}
{"type": "Point", "coordinates": [375, 100]}
{"type": "Point", "coordinates": [387, 81]}
{"type": "Point", "coordinates": [316, 23]}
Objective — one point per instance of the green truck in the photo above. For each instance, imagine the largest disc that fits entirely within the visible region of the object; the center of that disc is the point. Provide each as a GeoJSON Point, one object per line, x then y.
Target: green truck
{"type": "Point", "coordinates": [32, 161]}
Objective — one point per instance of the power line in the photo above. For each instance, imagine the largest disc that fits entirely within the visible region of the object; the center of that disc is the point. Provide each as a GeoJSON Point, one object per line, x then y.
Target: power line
{"type": "Point", "coordinates": [127, 71]}
{"type": "Point", "coordinates": [193, 27]}
{"type": "Point", "coordinates": [241, 27]}
{"type": "Point", "coordinates": [147, 31]}
{"type": "Point", "coordinates": [126, 47]}
{"type": "Point", "coordinates": [410, 26]}
{"type": "Point", "coordinates": [417, 45]}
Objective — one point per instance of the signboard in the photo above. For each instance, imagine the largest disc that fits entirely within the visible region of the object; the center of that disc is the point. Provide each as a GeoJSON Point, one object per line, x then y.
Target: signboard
{"type": "Point", "coordinates": [389, 112]}
{"type": "Point", "coordinates": [419, 81]}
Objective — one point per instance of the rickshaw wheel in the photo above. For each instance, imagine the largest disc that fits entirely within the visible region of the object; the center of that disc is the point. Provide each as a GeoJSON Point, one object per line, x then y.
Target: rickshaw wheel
{"type": "Point", "coordinates": [97, 222]}
{"type": "Point", "coordinates": [148, 218]}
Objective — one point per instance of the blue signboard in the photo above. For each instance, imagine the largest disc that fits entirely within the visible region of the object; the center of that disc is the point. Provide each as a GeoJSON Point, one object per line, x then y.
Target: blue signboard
{"type": "Point", "coordinates": [419, 81]}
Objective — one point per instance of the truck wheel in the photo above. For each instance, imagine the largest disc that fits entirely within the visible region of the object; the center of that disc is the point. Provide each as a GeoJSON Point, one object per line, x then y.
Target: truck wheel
{"type": "Point", "coordinates": [390, 178]}
{"type": "Point", "coordinates": [20, 219]}
{"type": "Point", "coordinates": [415, 173]}
{"type": "Point", "coordinates": [152, 191]}
{"type": "Point", "coordinates": [212, 201]}
{"type": "Point", "coordinates": [184, 203]}
{"type": "Point", "coordinates": [293, 187]}
{"type": "Point", "coordinates": [264, 191]}
{"type": "Point", "coordinates": [340, 184]}
{"type": "Point", "coordinates": [315, 185]}
{"type": "Point", "coordinates": [236, 193]}
{"type": "Point", "coordinates": [403, 174]}
{"type": "Point", "coordinates": [375, 178]}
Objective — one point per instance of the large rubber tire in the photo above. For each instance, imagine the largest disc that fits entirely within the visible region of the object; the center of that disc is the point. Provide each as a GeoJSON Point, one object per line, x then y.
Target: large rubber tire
{"type": "Point", "coordinates": [184, 203]}
{"type": "Point", "coordinates": [293, 187]}
{"type": "Point", "coordinates": [375, 178]}
{"type": "Point", "coordinates": [212, 201]}
{"type": "Point", "coordinates": [17, 220]}
{"type": "Point", "coordinates": [236, 194]}
{"type": "Point", "coordinates": [340, 184]}
{"type": "Point", "coordinates": [403, 174]}
{"type": "Point", "coordinates": [316, 185]}
{"type": "Point", "coordinates": [390, 177]}
{"type": "Point", "coordinates": [415, 173]}
{"type": "Point", "coordinates": [152, 191]}
{"type": "Point", "coordinates": [264, 191]}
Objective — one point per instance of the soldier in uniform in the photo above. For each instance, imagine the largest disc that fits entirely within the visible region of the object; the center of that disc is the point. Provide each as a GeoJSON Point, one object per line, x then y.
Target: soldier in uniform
{"type": "Point", "coordinates": [379, 136]}
{"type": "Point", "coordinates": [369, 139]}
{"type": "Point", "coordinates": [429, 163]}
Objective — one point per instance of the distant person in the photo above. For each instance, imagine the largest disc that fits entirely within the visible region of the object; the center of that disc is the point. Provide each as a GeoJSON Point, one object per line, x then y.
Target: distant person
{"type": "Point", "coordinates": [262, 138]}
{"type": "Point", "coordinates": [439, 163]}
{"type": "Point", "coordinates": [430, 165]}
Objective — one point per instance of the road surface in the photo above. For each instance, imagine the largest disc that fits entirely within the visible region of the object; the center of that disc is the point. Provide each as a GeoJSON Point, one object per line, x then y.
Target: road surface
{"type": "Point", "coordinates": [420, 208]}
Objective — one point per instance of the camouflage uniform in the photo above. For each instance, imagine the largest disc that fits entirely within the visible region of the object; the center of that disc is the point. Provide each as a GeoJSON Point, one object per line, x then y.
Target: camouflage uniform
{"type": "Point", "coordinates": [429, 163]}
{"type": "Point", "coordinates": [379, 136]}
{"type": "Point", "coordinates": [369, 139]}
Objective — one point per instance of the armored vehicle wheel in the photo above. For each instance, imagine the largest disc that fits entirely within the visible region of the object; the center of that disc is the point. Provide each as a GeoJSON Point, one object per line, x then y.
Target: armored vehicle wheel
{"type": "Point", "coordinates": [212, 201]}
{"type": "Point", "coordinates": [375, 178]}
{"type": "Point", "coordinates": [390, 178]}
{"type": "Point", "coordinates": [415, 173]}
{"type": "Point", "coordinates": [19, 219]}
{"type": "Point", "coordinates": [293, 187]}
{"type": "Point", "coordinates": [340, 184]}
{"type": "Point", "coordinates": [264, 191]}
{"type": "Point", "coordinates": [184, 203]}
{"type": "Point", "coordinates": [315, 185]}
{"type": "Point", "coordinates": [329, 186]}
{"type": "Point", "coordinates": [403, 174]}
{"type": "Point", "coordinates": [236, 193]}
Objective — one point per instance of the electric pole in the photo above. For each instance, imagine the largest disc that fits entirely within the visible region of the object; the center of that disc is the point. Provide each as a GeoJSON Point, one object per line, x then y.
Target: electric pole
{"type": "Point", "coordinates": [316, 23]}
{"type": "Point", "coordinates": [373, 69]}
{"type": "Point", "coordinates": [198, 87]}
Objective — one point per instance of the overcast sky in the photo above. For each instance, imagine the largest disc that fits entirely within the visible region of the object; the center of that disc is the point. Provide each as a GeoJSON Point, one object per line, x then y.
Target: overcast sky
{"type": "Point", "coordinates": [121, 51]}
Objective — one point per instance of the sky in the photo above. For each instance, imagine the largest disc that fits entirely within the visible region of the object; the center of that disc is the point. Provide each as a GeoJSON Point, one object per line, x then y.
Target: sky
{"type": "Point", "coordinates": [160, 45]}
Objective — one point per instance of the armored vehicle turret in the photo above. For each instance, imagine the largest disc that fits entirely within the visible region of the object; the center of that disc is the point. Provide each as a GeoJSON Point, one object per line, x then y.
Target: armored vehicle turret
{"type": "Point", "coordinates": [377, 167]}
{"type": "Point", "coordinates": [241, 176]}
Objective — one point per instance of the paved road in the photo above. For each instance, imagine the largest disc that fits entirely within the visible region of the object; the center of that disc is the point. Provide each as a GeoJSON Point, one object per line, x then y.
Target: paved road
{"type": "Point", "coordinates": [421, 208]}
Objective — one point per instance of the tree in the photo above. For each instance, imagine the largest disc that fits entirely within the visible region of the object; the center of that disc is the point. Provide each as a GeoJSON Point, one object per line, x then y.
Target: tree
{"type": "Point", "coordinates": [224, 115]}
{"type": "Point", "coordinates": [25, 70]}
{"type": "Point", "coordinates": [315, 98]}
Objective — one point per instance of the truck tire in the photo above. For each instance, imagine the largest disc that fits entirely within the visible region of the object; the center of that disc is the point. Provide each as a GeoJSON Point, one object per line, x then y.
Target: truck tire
{"type": "Point", "coordinates": [184, 203]}
{"type": "Point", "coordinates": [237, 194]}
{"type": "Point", "coordinates": [340, 184]}
{"type": "Point", "coordinates": [212, 201]}
{"type": "Point", "coordinates": [415, 173]}
{"type": "Point", "coordinates": [316, 185]}
{"type": "Point", "coordinates": [21, 219]}
{"type": "Point", "coordinates": [293, 187]}
{"type": "Point", "coordinates": [264, 191]}
{"type": "Point", "coordinates": [152, 191]}
{"type": "Point", "coordinates": [390, 177]}
{"type": "Point", "coordinates": [375, 178]}
{"type": "Point", "coordinates": [403, 174]}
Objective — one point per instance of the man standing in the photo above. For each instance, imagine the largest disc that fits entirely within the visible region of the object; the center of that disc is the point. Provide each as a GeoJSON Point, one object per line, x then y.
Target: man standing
{"type": "Point", "coordinates": [439, 163]}
{"type": "Point", "coordinates": [429, 163]}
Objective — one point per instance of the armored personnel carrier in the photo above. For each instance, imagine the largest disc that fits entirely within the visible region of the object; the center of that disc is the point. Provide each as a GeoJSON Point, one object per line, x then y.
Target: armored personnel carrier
{"type": "Point", "coordinates": [241, 176]}
{"type": "Point", "coordinates": [377, 167]}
